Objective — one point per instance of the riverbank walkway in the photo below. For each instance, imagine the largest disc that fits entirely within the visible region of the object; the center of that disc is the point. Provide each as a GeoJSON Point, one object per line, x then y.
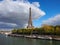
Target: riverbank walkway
{"type": "Point", "coordinates": [47, 37]}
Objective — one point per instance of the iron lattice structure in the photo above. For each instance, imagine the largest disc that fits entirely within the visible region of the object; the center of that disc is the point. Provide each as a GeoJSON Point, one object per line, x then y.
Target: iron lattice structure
{"type": "Point", "coordinates": [30, 25]}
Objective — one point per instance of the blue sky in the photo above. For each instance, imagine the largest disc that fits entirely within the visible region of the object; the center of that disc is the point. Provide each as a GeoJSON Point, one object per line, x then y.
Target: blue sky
{"type": "Point", "coordinates": [46, 12]}
{"type": "Point", "coordinates": [51, 8]}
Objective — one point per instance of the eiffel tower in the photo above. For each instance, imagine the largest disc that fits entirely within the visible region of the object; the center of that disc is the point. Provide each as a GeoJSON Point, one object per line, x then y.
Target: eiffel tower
{"type": "Point", "coordinates": [30, 26]}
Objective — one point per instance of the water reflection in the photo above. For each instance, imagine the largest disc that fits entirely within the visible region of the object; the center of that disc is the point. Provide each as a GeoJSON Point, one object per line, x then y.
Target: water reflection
{"type": "Point", "coordinates": [25, 41]}
{"type": "Point", "coordinates": [51, 42]}
{"type": "Point", "coordinates": [38, 42]}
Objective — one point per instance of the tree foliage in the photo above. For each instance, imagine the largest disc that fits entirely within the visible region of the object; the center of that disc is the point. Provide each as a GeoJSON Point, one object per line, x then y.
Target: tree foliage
{"type": "Point", "coordinates": [44, 30]}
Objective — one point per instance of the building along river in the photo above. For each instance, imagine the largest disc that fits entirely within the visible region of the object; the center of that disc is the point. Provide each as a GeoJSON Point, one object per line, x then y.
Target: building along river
{"type": "Point", "coordinates": [7, 40]}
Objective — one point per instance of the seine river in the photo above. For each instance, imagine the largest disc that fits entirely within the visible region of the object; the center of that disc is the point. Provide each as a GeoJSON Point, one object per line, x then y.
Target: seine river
{"type": "Point", "coordinates": [6, 40]}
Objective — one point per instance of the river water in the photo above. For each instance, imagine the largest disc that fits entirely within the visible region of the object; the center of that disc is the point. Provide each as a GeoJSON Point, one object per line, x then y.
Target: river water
{"type": "Point", "coordinates": [6, 40]}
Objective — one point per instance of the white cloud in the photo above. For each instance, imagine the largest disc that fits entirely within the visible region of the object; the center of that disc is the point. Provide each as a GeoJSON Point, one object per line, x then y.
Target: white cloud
{"type": "Point", "coordinates": [36, 4]}
{"type": "Point", "coordinates": [53, 21]}
{"type": "Point", "coordinates": [8, 24]}
{"type": "Point", "coordinates": [17, 12]}
{"type": "Point", "coordinates": [4, 25]}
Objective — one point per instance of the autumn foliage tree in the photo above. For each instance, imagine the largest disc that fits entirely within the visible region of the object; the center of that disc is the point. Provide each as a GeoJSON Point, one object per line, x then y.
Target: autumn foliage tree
{"type": "Point", "coordinates": [43, 30]}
